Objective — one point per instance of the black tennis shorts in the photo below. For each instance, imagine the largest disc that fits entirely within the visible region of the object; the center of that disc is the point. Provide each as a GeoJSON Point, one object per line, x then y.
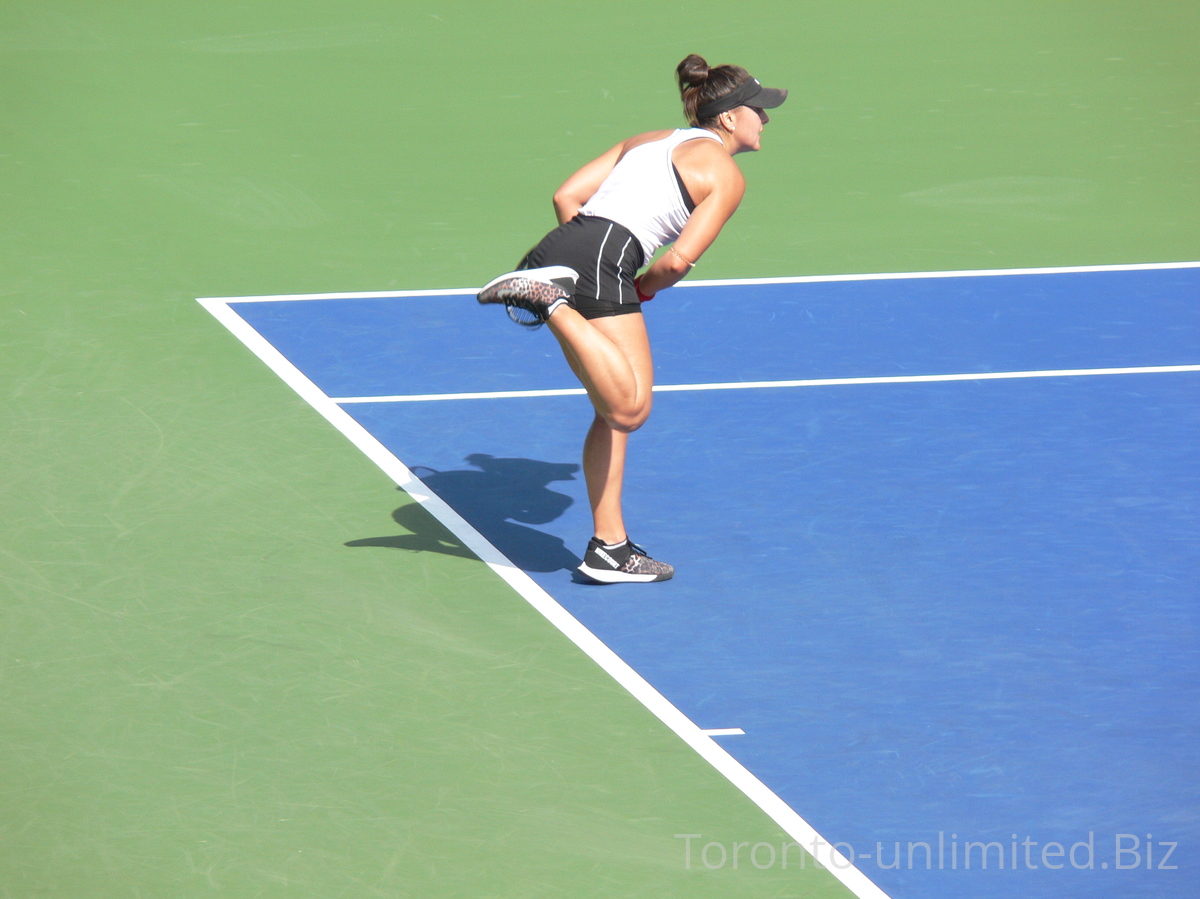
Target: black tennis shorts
{"type": "Point", "coordinates": [607, 257]}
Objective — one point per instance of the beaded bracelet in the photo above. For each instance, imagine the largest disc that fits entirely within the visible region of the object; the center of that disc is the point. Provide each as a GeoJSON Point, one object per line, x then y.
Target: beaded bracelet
{"type": "Point", "coordinates": [686, 261]}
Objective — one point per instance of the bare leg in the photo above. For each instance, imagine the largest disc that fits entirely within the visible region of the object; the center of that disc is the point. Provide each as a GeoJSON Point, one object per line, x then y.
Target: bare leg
{"type": "Point", "coordinates": [604, 469]}
{"type": "Point", "coordinates": [611, 356]}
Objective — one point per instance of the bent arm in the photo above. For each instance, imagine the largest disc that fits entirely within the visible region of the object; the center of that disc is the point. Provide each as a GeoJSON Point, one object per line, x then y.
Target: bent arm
{"type": "Point", "coordinates": [580, 187]}
{"type": "Point", "coordinates": [702, 229]}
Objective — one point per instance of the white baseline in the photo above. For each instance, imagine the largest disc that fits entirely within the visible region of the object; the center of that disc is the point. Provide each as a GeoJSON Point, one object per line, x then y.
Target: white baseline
{"type": "Point", "coordinates": [798, 279]}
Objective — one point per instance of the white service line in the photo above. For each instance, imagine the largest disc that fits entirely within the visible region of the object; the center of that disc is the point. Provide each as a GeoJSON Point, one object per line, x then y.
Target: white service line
{"type": "Point", "coordinates": [808, 382]}
{"type": "Point", "coordinates": [778, 810]}
{"type": "Point", "coordinates": [428, 397]}
{"type": "Point", "coordinates": [723, 732]}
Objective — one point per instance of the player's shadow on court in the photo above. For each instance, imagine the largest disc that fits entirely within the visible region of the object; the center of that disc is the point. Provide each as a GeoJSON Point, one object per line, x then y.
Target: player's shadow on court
{"type": "Point", "coordinates": [494, 498]}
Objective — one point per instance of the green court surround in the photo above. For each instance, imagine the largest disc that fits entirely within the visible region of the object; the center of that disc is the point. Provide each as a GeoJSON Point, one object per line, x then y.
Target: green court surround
{"type": "Point", "coordinates": [203, 691]}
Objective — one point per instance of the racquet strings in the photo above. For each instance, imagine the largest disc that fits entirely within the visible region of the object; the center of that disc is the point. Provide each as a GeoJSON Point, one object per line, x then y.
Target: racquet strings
{"type": "Point", "coordinates": [522, 316]}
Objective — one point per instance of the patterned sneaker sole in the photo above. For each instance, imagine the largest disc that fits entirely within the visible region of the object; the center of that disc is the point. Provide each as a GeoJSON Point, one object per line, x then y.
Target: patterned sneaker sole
{"type": "Point", "coordinates": [608, 576]}
{"type": "Point", "coordinates": [535, 293]}
{"type": "Point", "coordinates": [522, 291]}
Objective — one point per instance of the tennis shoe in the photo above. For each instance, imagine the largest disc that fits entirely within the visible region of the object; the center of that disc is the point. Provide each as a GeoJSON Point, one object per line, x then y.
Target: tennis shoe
{"type": "Point", "coordinates": [538, 291]}
{"type": "Point", "coordinates": [623, 564]}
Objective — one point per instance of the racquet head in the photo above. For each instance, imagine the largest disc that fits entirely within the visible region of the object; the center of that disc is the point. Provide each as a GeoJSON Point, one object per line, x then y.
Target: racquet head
{"type": "Point", "coordinates": [523, 316]}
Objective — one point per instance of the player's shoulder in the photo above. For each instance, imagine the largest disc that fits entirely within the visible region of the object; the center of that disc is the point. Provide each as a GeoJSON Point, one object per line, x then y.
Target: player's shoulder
{"type": "Point", "coordinates": [709, 161]}
{"type": "Point", "coordinates": [646, 137]}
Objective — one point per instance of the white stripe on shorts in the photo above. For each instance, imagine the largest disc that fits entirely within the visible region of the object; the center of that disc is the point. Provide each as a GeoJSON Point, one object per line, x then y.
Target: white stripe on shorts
{"type": "Point", "coordinates": [620, 268]}
{"type": "Point", "coordinates": [600, 256]}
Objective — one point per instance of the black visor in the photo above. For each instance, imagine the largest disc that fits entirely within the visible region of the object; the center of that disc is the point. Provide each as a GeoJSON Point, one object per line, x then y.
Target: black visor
{"type": "Point", "coordinates": [748, 93]}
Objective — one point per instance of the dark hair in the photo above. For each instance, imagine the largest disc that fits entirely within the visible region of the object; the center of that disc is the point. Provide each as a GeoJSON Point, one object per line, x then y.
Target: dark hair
{"type": "Point", "coordinates": [700, 84]}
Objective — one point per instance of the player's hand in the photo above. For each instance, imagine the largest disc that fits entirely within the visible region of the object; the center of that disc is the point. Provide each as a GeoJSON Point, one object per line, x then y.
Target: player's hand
{"type": "Point", "coordinates": [637, 285]}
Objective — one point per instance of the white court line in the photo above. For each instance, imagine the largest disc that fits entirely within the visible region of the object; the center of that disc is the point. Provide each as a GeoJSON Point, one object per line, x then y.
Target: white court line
{"type": "Point", "coordinates": [427, 397]}
{"type": "Point", "coordinates": [617, 668]}
{"type": "Point", "coordinates": [970, 273]}
{"type": "Point", "coordinates": [801, 279]}
{"type": "Point", "coordinates": [492, 395]}
{"type": "Point", "coordinates": [723, 732]}
{"type": "Point", "coordinates": [809, 382]}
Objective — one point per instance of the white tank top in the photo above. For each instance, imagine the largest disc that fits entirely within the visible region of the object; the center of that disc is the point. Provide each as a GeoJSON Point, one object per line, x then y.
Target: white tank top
{"type": "Point", "coordinates": [642, 193]}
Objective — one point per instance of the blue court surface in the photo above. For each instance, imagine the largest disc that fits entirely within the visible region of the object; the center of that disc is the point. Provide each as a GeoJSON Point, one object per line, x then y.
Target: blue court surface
{"type": "Point", "coordinates": [943, 612]}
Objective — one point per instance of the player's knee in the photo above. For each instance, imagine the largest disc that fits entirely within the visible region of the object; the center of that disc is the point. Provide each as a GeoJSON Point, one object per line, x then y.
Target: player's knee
{"type": "Point", "coordinates": [629, 420]}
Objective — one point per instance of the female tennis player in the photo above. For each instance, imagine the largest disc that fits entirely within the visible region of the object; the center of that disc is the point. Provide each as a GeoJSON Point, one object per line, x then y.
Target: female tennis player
{"type": "Point", "coordinates": [672, 188]}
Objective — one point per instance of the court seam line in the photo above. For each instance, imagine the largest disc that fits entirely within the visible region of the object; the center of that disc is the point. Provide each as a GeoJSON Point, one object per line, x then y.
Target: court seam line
{"type": "Point", "coordinates": [734, 282]}
{"type": "Point", "coordinates": [760, 385]}
{"type": "Point", "coordinates": [574, 630]}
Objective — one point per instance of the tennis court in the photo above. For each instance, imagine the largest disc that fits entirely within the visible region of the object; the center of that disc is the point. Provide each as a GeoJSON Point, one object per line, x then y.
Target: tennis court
{"type": "Point", "coordinates": [922, 452]}
{"type": "Point", "coordinates": [883, 578]}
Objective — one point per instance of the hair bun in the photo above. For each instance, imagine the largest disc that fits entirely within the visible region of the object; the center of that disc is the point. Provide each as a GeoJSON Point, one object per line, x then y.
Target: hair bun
{"type": "Point", "coordinates": [701, 84]}
{"type": "Point", "coordinates": [693, 71]}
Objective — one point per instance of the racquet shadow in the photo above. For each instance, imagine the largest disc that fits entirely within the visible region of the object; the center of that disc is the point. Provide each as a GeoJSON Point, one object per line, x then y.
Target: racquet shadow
{"type": "Point", "coordinates": [499, 498]}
